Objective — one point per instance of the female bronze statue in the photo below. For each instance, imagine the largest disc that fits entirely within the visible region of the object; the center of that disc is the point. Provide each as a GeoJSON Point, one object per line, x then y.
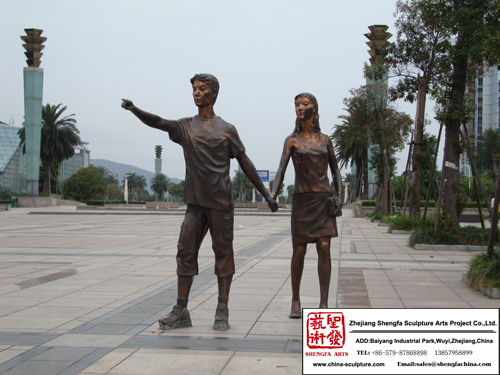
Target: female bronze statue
{"type": "Point", "coordinates": [313, 221]}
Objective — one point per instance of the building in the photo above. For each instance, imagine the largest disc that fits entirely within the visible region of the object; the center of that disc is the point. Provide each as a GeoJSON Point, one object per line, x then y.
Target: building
{"type": "Point", "coordinates": [484, 90]}
{"type": "Point", "coordinates": [79, 160]}
{"type": "Point", "coordinates": [12, 160]}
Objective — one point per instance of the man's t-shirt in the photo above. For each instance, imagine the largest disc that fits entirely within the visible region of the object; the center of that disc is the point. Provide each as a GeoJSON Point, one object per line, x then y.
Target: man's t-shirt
{"type": "Point", "coordinates": [208, 148]}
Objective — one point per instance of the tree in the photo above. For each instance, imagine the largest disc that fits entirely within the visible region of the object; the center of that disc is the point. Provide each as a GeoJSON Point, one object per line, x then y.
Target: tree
{"type": "Point", "coordinates": [114, 192]}
{"type": "Point", "coordinates": [242, 184]}
{"type": "Point", "coordinates": [429, 146]}
{"type": "Point", "coordinates": [177, 190]}
{"type": "Point", "coordinates": [135, 181]}
{"type": "Point", "coordinates": [352, 140]}
{"type": "Point", "coordinates": [159, 184]}
{"type": "Point", "coordinates": [55, 169]}
{"type": "Point", "coordinates": [84, 185]}
{"type": "Point", "coordinates": [59, 136]}
{"type": "Point", "coordinates": [489, 152]}
{"type": "Point", "coordinates": [473, 23]}
{"type": "Point", "coordinates": [420, 58]}
{"type": "Point", "coordinates": [387, 127]}
{"type": "Point", "coordinates": [108, 176]}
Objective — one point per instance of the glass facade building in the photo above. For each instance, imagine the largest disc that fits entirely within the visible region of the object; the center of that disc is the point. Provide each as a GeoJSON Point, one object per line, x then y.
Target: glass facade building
{"type": "Point", "coordinates": [12, 160]}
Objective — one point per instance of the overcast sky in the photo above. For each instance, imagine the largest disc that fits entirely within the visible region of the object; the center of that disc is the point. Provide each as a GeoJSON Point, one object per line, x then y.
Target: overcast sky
{"type": "Point", "coordinates": [263, 52]}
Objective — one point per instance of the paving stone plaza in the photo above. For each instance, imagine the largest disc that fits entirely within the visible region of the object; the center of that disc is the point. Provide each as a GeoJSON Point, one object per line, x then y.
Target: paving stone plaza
{"type": "Point", "coordinates": [81, 291]}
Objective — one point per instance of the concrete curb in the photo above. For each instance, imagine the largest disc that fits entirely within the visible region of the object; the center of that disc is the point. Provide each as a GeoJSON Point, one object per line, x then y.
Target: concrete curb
{"type": "Point", "coordinates": [142, 213]}
{"type": "Point", "coordinates": [452, 247]}
{"type": "Point", "coordinates": [492, 293]}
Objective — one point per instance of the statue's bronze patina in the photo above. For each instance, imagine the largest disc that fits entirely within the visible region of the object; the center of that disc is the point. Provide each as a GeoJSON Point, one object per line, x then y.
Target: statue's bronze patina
{"type": "Point", "coordinates": [208, 143]}
{"type": "Point", "coordinates": [312, 154]}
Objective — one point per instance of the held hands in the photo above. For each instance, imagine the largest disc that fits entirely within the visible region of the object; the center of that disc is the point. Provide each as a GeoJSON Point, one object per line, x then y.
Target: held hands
{"type": "Point", "coordinates": [127, 104]}
{"type": "Point", "coordinates": [338, 211]}
{"type": "Point", "coordinates": [273, 205]}
{"type": "Point", "coordinates": [338, 207]}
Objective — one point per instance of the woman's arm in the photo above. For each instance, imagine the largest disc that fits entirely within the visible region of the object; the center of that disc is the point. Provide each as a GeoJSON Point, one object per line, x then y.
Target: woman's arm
{"type": "Point", "coordinates": [280, 173]}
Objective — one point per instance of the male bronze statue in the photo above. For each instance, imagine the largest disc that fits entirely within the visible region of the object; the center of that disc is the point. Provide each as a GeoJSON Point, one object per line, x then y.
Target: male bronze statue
{"type": "Point", "coordinates": [208, 143]}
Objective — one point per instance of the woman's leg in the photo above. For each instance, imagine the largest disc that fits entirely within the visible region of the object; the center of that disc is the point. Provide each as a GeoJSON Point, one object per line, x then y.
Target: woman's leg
{"type": "Point", "coordinates": [324, 270]}
{"type": "Point", "coordinates": [297, 267]}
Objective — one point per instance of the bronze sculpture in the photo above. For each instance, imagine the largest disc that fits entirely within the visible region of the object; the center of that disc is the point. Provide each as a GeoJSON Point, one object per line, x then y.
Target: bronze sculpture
{"type": "Point", "coordinates": [208, 143]}
{"type": "Point", "coordinates": [313, 221]}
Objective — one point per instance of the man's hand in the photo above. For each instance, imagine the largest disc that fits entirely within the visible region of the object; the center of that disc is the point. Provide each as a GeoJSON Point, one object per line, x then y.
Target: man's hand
{"type": "Point", "coordinates": [273, 205]}
{"type": "Point", "coordinates": [127, 104]}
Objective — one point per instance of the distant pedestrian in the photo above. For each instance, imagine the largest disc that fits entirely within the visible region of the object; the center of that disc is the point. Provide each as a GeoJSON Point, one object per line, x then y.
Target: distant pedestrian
{"type": "Point", "coordinates": [492, 206]}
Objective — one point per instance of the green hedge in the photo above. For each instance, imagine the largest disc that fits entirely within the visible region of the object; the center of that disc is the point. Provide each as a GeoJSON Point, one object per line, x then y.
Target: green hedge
{"type": "Point", "coordinates": [398, 203]}
{"type": "Point", "coordinates": [470, 204]}
{"type": "Point", "coordinates": [469, 235]}
{"type": "Point", "coordinates": [5, 201]}
{"type": "Point", "coordinates": [102, 202]}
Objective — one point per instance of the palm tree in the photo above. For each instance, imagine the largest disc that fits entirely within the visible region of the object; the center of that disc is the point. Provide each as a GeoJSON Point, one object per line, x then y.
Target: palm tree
{"type": "Point", "coordinates": [58, 139]}
{"type": "Point", "coordinates": [106, 173]}
{"type": "Point", "coordinates": [159, 184]}
{"type": "Point", "coordinates": [135, 181]}
{"type": "Point", "coordinates": [242, 184]}
{"type": "Point", "coordinates": [352, 140]}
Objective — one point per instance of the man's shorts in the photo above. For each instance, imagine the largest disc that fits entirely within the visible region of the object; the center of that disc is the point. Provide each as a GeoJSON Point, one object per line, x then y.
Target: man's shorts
{"type": "Point", "coordinates": [197, 222]}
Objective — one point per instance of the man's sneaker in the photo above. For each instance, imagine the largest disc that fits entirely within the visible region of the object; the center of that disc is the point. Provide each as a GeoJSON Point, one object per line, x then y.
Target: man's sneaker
{"type": "Point", "coordinates": [178, 318]}
{"type": "Point", "coordinates": [221, 317]}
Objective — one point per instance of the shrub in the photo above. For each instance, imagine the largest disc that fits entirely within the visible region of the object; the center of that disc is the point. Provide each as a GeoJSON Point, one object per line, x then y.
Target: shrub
{"type": "Point", "coordinates": [400, 222]}
{"type": "Point", "coordinates": [469, 235]}
{"type": "Point", "coordinates": [471, 204]}
{"type": "Point", "coordinates": [6, 194]}
{"type": "Point", "coordinates": [398, 203]}
{"type": "Point", "coordinates": [427, 236]}
{"type": "Point", "coordinates": [446, 223]}
{"type": "Point", "coordinates": [375, 215]}
{"type": "Point", "coordinates": [86, 184]}
{"type": "Point", "coordinates": [484, 271]}
{"type": "Point", "coordinates": [474, 236]}
{"type": "Point", "coordinates": [102, 202]}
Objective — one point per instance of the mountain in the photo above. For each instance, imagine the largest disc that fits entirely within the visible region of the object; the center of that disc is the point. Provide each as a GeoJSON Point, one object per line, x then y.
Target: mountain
{"type": "Point", "coordinates": [119, 170]}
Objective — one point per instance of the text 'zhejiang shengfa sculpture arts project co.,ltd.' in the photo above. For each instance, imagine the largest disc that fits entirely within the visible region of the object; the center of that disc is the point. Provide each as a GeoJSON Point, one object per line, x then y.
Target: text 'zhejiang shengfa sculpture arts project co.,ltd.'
{"type": "Point", "coordinates": [209, 143]}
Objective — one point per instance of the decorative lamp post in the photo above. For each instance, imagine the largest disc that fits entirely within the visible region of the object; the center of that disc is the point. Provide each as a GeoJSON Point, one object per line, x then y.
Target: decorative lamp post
{"type": "Point", "coordinates": [33, 90]}
{"type": "Point", "coordinates": [158, 150]}
{"type": "Point", "coordinates": [378, 37]}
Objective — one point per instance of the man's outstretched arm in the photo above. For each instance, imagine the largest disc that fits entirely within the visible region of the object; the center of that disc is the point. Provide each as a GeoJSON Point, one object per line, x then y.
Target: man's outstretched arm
{"type": "Point", "coordinates": [249, 169]}
{"type": "Point", "coordinates": [149, 119]}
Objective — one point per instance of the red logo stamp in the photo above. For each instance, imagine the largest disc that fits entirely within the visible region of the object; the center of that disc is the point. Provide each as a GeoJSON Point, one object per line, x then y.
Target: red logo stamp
{"type": "Point", "coordinates": [325, 330]}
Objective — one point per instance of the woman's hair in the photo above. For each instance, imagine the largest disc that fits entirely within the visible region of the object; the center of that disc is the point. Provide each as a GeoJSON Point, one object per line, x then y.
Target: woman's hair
{"type": "Point", "coordinates": [298, 125]}
{"type": "Point", "coordinates": [210, 80]}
